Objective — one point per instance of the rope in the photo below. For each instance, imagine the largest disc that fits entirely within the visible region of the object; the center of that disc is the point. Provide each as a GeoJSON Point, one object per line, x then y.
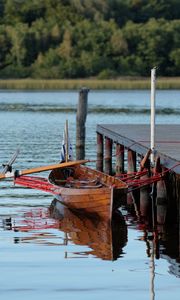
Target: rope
{"type": "Point", "coordinates": [136, 184]}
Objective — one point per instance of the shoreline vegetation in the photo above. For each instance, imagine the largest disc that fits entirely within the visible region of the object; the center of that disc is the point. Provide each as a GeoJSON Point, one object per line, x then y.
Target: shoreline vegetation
{"type": "Point", "coordinates": [113, 44]}
{"type": "Point", "coordinates": [124, 83]}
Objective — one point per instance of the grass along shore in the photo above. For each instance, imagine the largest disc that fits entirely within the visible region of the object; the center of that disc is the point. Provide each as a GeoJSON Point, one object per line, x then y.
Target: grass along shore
{"type": "Point", "coordinates": [96, 84]}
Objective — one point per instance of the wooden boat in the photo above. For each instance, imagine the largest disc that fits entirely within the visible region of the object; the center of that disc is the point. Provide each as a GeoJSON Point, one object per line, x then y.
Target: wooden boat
{"type": "Point", "coordinates": [89, 191]}
{"type": "Point", "coordinates": [105, 240]}
{"type": "Point", "coordinates": [77, 186]}
{"type": "Point", "coordinates": [85, 189]}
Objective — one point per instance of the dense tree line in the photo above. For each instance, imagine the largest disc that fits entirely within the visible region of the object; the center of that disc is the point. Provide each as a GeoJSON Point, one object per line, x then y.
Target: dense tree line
{"type": "Point", "coordinates": [83, 38]}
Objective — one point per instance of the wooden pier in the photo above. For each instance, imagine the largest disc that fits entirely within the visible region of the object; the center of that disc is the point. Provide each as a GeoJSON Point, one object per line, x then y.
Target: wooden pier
{"type": "Point", "coordinates": [136, 139]}
{"type": "Point", "coordinates": [131, 142]}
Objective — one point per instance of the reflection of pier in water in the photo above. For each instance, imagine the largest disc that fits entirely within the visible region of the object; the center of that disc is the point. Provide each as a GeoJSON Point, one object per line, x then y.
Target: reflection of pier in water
{"type": "Point", "coordinates": [104, 240]}
{"type": "Point", "coordinates": [158, 217]}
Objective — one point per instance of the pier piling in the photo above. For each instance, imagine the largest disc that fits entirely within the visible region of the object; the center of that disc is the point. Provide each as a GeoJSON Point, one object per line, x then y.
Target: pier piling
{"type": "Point", "coordinates": [119, 159]}
{"type": "Point", "coordinates": [100, 152]}
{"type": "Point", "coordinates": [80, 123]}
{"type": "Point", "coordinates": [135, 138]}
{"type": "Point", "coordinates": [108, 156]}
{"type": "Point", "coordinates": [131, 161]}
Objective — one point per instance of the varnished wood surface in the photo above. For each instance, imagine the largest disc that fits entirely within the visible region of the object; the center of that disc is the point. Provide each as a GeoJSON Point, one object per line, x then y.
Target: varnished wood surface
{"type": "Point", "coordinates": [42, 169]}
{"type": "Point", "coordinates": [137, 138]}
{"type": "Point", "coordinates": [97, 201]}
{"type": "Point", "coordinates": [105, 239]}
{"type": "Point", "coordinates": [51, 167]}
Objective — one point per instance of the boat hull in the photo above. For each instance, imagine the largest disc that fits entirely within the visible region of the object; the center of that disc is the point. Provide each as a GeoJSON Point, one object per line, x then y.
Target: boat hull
{"type": "Point", "coordinates": [87, 190]}
{"type": "Point", "coordinates": [95, 203]}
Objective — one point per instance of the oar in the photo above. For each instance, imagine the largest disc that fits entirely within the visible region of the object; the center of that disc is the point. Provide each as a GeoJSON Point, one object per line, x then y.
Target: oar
{"type": "Point", "coordinates": [7, 166]}
{"type": "Point", "coordinates": [42, 169]}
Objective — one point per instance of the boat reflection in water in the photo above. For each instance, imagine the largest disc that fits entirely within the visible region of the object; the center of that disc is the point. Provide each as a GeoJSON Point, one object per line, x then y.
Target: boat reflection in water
{"type": "Point", "coordinates": [106, 239]}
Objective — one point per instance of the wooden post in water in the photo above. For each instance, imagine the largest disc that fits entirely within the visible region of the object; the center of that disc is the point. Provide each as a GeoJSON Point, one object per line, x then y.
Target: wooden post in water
{"type": "Point", "coordinates": [108, 156]}
{"type": "Point", "coordinates": [178, 205]}
{"type": "Point", "coordinates": [119, 159]}
{"type": "Point", "coordinates": [131, 161]}
{"type": "Point", "coordinates": [145, 198]}
{"type": "Point", "coordinates": [80, 123]}
{"type": "Point", "coordinates": [100, 152]}
{"type": "Point", "coordinates": [161, 202]}
{"type": "Point", "coordinates": [131, 157]}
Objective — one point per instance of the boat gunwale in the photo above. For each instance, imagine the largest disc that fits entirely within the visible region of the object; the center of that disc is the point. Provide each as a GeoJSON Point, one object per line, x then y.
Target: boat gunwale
{"type": "Point", "coordinates": [92, 188]}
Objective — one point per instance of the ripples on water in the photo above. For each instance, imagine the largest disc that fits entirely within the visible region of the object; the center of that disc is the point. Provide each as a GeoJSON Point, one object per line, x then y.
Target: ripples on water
{"type": "Point", "coordinates": [51, 255]}
{"type": "Point", "coordinates": [120, 103]}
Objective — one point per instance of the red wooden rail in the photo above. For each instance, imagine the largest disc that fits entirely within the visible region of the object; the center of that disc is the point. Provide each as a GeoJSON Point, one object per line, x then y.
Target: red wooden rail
{"type": "Point", "coordinates": [39, 183]}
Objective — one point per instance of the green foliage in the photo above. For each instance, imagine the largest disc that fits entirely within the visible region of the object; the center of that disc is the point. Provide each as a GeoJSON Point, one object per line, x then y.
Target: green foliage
{"type": "Point", "coordinates": [80, 38]}
{"type": "Point", "coordinates": [5, 47]}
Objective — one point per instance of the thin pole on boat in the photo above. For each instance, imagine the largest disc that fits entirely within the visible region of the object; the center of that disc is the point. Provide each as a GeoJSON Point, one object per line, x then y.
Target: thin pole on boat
{"type": "Point", "coordinates": [8, 165]}
{"type": "Point", "coordinates": [66, 137]}
{"type": "Point", "coordinates": [153, 111]}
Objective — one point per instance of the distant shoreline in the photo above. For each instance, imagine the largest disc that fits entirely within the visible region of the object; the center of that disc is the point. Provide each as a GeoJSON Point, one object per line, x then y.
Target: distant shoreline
{"type": "Point", "coordinates": [123, 83]}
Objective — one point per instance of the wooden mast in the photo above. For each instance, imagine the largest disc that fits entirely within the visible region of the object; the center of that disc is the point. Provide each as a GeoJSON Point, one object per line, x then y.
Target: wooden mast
{"type": "Point", "coordinates": [66, 141]}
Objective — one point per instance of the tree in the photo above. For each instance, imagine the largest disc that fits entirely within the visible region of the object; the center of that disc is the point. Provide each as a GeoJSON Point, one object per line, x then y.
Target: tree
{"type": "Point", "coordinates": [24, 11]}
{"type": "Point", "coordinates": [5, 47]}
{"type": "Point", "coordinates": [2, 4]}
{"type": "Point", "coordinates": [17, 35]}
{"type": "Point", "coordinates": [71, 38]}
{"type": "Point", "coordinates": [65, 48]}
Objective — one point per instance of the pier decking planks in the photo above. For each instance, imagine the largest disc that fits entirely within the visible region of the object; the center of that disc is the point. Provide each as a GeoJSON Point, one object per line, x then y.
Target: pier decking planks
{"type": "Point", "coordinates": [137, 138]}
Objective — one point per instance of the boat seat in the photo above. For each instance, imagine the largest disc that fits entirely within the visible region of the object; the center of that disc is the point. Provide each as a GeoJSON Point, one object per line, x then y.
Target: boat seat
{"type": "Point", "coordinates": [82, 184]}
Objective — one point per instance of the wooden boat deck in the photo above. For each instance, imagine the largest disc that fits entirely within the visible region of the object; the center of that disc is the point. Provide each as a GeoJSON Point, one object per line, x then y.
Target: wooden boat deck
{"type": "Point", "coordinates": [137, 138]}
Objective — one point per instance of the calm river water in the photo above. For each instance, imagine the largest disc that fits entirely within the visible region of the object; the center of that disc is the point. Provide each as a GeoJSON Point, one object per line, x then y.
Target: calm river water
{"type": "Point", "coordinates": [42, 257]}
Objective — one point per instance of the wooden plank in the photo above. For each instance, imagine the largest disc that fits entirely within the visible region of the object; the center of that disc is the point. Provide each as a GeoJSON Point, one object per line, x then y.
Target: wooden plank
{"type": "Point", "coordinates": [113, 133]}
{"type": "Point", "coordinates": [137, 138]}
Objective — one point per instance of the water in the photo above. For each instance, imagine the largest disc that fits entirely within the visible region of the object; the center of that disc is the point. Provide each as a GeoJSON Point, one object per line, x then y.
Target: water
{"type": "Point", "coordinates": [54, 258]}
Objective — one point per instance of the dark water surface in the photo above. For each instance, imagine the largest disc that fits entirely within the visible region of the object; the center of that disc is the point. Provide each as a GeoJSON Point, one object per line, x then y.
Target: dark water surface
{"type": "Point", "coordinates": [46, 255]}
